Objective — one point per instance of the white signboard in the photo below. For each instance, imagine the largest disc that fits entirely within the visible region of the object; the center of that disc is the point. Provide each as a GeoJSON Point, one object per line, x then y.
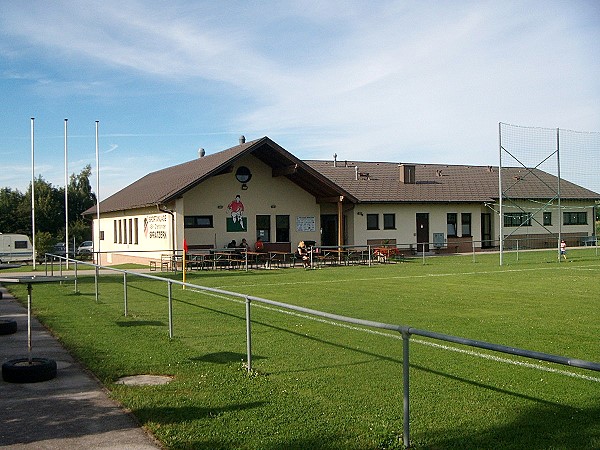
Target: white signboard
{"type": "Point", "coordinates": [155, 226]}
{"type": "Point", "coordinates": [305, 223]}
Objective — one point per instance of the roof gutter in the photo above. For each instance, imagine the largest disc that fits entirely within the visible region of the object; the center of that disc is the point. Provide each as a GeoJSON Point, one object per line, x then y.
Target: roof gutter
{"type": "Point", "coordinates": [172, 214]}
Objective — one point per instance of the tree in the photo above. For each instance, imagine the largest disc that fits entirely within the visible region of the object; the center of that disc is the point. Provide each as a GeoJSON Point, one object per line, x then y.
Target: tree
{"type": "Point", "coordinates": [12, 219]}
{"type": "Point", "coordinates": [15, 208]}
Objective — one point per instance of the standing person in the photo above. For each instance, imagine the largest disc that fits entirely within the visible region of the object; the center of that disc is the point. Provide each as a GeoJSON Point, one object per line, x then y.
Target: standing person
{"type": "Point", "coordinates": [563, 249]}
{"type": "Point", "coordinates": [304, 254]}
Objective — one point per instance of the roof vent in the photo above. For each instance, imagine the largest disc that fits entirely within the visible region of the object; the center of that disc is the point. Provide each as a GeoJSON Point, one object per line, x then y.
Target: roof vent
{"type": "Point", "coordinates": [201, 152]}
{"type": "Point", "coordinates": [438, 172]}
{"type": "Point", "coordinates": [407, 174]}
{"type": "Point", "coordinates": [242, 139]}
{"type": "Point", "coordinates": [335, 160]}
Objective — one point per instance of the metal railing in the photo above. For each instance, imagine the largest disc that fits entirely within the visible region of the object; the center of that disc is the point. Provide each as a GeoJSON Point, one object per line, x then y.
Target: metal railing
{"type": "Point", "coordinates": [405, 331]}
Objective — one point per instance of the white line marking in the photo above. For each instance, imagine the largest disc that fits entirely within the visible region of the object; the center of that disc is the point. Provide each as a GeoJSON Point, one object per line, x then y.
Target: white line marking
{"type": "Point", "coordinates": [418, 341]}
{"type": "Point", "coordinates": [406, 277]}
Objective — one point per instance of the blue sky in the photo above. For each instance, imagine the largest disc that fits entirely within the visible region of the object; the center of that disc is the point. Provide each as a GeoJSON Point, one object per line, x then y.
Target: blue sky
{"type": "Point", "coordinates": [403, 81]}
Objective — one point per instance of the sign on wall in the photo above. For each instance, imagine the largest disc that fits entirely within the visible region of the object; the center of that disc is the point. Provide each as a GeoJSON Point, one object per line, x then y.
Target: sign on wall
{"type": "Point", "coordinates": [155, 226]}
{"type": "Point", "coordinates": [236, 220]}
{"type": "Point", "coordinates": [305, 223]}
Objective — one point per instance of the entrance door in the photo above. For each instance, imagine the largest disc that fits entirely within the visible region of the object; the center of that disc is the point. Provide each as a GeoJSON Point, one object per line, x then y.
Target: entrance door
{"type": "Point", "coordinates": [329, 229]}
{"type": "Point", "coordinates": [422, 232]}
{"type": "Point", "coordinates": [486, 230]}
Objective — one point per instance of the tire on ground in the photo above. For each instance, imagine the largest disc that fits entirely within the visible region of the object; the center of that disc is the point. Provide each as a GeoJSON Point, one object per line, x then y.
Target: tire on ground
{"type": "Point", "coordinates": [8, 326]}
{"type": "Point", "coordinates": [22, 371]}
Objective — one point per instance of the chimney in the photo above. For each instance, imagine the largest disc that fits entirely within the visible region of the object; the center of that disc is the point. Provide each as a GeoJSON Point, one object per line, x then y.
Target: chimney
{"type": "Point", "coordinates": [201, 152]}
{"type": "Point", "coordinates": [407, 173]}
{"type": "Point", "coordinates": [242, 139]}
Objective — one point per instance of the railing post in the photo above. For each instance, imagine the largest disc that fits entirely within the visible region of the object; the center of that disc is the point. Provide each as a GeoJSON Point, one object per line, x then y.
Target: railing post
{"type": "Point", "coordinates": [405, 383]}
{"type": "Point", "coordinates": [125, 291]}
{"type": "Point", "coordinates": [170, 290]}
{"type": "Point", "coordinates": [76, 276]}
{"type": "Point", "coordinates": [248, 335]}
{"type": "Point", "coordinates": [96, 270]}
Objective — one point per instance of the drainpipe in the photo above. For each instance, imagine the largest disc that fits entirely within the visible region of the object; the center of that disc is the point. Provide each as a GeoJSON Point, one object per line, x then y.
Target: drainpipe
{"type": "Point", "coordinates": [168, 211]}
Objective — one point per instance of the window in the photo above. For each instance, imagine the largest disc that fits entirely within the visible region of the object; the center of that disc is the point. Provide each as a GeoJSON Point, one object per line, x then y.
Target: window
{"type": "Point", "coordinates": [115, 230]}
{"type": "Point", "coordinates": [451, 224]}
{"type": "Point", "coordinates": [198, 222]}
{"type": "Point", "coordinates": [519, 219]}
{"type": "Point", "coordinates": [465, 221]}
{"type": "Point", "coordinates": [131, 231]}
{"type": "Point", "coordinates": [282, 228]}
{"type": "Point", "coordinates": [125, 241]}
{"type": "Point", "coordinates": [389, 221]}
{"type": "Point", "coordinates": [547, 219]}
{"type": "Point", "coordinates": [101, 235]}
{"type": "Point", "coordinates": [372, 221]}
{"type": "Point", "coordinates": [120, 233]}
{"type": "Point", "coordinates": [20, 244]}
{"type": "Point", "coordinates": [575, 218]}
{"type": "Point", "coordinates": [135, 230]}
{"type": "Point", "coordinates": [263, 227]}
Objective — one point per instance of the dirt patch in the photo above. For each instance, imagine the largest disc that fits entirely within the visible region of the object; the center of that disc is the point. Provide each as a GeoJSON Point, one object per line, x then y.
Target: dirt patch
{"type": "Point", "coordinates": [145, 380]}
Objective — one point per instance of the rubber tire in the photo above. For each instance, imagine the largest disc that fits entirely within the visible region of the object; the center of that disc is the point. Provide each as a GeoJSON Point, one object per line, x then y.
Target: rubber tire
{"type": "Point", "coordinates": [20, 371]}
{"type": "Point", "coordinates": [8, 326]}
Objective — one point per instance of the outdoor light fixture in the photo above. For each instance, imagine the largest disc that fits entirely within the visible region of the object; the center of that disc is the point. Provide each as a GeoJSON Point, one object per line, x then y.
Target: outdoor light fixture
{"type": "Point", "coordinates": [243, 175]}
{"type": "Point", "coordinates": [273, 206]}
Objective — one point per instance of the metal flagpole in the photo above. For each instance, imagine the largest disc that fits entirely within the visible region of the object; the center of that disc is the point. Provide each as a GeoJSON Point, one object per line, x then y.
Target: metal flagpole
{"type": "Point", "coordinates": [560, 214]}
{"type": "Point", "coordinates": [32, 192]}
{"type": "Point", "coordinates": [501, 219]}
{"type": "Point", "coordinates": [99, 259]}
{"type": "Point", "coordinates": [66, 199]}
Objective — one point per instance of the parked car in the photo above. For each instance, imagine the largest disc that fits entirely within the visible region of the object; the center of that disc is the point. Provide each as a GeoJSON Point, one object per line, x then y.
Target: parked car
{"type": "Point", "coordinates": [59, 250]}
{"type": "Point", "coordinates": [85, 247]}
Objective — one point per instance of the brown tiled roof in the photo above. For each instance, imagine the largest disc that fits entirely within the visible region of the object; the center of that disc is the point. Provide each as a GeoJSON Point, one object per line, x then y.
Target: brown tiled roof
{"type": "Point", "coordinates": [380, 182]}
{"type": "Point", "coordinates": [167, 184]}
{"type": "Point", "coordinates": [377, 181]}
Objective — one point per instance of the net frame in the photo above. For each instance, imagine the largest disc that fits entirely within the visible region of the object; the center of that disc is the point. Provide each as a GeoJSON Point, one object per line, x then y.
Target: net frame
{"type": "Point", "coordinates": [547, 142]}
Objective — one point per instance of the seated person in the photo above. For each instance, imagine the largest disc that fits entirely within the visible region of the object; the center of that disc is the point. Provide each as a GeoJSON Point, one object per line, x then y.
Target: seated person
{"type": "Point", "coordinates": [244, 245]}
{"type": "Point", "coordinates": [259, 246]}
{"type": "Point", "coordinates": [304, 254]}
{"type": "Point", "coordinates": [232, 244]}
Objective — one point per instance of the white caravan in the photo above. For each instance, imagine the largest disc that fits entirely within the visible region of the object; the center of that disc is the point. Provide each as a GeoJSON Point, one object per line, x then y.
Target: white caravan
{"type": "Point", "coordinates": [15, 248]}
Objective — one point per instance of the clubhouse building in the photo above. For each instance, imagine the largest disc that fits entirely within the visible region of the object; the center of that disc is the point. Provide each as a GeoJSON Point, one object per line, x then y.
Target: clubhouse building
{"type": "Point", "coordinates": [259, 189]}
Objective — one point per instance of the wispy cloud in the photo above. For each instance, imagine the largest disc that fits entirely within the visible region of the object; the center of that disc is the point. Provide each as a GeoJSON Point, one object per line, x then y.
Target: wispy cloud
{"type": "Point", "coordinates": [390, 80]}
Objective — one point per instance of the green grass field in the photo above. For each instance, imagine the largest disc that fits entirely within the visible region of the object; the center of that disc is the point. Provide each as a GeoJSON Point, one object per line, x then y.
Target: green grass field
{"type": "Point", "coordinates": [324, 385]}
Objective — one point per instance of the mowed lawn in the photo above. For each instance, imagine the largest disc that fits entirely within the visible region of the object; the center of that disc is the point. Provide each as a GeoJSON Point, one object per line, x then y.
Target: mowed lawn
{"type": "Point", "coordinates": [318, 384]}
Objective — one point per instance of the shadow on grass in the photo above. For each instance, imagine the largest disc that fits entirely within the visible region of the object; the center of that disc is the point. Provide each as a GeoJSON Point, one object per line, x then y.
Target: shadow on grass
{"type": "Point", "coordinates": [540, 427]}
{"type": "Point", "coordinates": [164, 415]}
{"type": "Point", "coordinates": [140, 323]}
{"type": "Point", "coordinates": [224, 357]}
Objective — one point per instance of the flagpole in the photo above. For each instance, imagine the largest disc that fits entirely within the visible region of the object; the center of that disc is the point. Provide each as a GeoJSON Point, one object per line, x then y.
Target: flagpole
{"type": "Point", "coordinates": [32, 191]}
{"type": "Point", "coordinates": [66, 199]}
{"type": "Point", "coordinates": [99, 259]}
